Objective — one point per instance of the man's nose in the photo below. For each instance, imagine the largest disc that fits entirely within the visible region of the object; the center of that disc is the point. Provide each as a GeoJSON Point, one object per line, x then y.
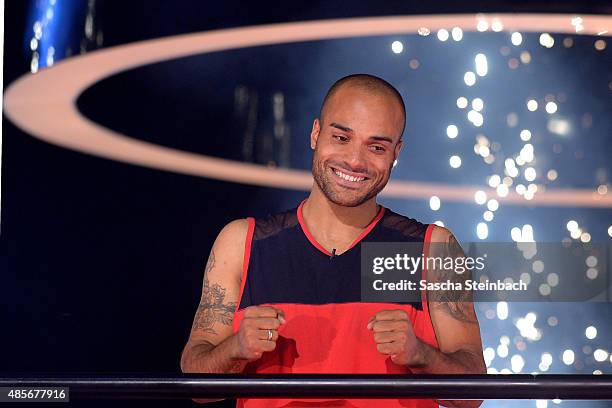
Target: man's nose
{"type": "Point", "coordinates": [357, 159]}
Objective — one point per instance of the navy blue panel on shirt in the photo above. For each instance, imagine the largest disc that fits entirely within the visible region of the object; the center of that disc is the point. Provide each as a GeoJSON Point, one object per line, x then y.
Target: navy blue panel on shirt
{"type": "Point", "coordinates": [285, 267]}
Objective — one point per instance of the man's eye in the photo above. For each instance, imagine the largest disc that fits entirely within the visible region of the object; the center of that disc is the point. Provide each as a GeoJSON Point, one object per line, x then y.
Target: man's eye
{"type": "Point", "coordinates": [377, 148]}
{"type": "Point", "coordinates": [340, 138]}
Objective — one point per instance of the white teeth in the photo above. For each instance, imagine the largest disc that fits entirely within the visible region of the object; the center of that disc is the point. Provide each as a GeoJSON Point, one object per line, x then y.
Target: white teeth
{"type": "Point", "coordinates": [347, 177]}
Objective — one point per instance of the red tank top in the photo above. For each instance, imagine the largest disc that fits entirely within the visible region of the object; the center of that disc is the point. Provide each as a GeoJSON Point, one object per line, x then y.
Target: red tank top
{"type": "Point", "coordinates": [325, 330]}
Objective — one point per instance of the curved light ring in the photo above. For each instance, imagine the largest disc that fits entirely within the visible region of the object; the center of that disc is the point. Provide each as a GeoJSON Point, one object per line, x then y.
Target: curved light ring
{"type": "Point", "coordinates": [44, 104]}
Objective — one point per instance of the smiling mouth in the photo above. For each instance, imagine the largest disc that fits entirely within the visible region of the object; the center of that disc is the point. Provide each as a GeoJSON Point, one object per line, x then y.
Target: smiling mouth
{"type": "Point", "coordinates": [348, 177]}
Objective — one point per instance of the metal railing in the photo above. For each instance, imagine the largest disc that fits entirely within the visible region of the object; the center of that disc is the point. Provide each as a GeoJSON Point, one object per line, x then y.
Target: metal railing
{"type": "Point", "coordinates": [476, 387]}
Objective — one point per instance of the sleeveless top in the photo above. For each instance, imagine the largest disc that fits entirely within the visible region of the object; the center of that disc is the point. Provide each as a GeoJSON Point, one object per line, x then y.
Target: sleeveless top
{"type": "Point", "coordinates": [325, 330]}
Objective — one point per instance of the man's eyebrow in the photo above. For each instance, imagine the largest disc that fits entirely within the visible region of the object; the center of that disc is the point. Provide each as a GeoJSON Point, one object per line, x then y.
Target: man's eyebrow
{"type": "Point", "coordinates": [381, 139]}
{"type": "Point", "coordinates": [341, 127]}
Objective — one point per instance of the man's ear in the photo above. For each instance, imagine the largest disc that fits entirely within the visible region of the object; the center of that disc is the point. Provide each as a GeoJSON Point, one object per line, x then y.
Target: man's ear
{"type": "Point", "coordinates": [314, 133]}
{"type": "Point", "coordinates": [398, 148]}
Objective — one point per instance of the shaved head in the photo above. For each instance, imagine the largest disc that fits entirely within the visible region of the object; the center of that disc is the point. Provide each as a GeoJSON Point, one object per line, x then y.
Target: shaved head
{"type": "Point", "coordinates": [371, 85]}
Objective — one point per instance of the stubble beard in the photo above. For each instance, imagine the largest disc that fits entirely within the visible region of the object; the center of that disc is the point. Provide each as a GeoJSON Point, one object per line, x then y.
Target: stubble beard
{"type": "Point", "coordinates": [322, 178]}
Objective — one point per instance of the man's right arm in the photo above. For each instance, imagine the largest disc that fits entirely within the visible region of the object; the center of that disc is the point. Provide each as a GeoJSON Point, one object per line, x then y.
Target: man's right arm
{"type": "Point", "coordinates": [211, 347]}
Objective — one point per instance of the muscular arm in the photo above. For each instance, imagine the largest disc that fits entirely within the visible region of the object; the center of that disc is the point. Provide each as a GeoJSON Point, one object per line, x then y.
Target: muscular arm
{"type": "Point", "coordinates": [211, 347]}
{"type": "Point", "coordinates": [454, 320]}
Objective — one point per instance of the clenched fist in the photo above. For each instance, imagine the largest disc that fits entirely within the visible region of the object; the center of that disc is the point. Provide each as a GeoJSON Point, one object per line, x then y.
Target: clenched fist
{"type": "Point", "coordinates": [258, 332]}
{"type": "Point", "coordinates": [394, 336]}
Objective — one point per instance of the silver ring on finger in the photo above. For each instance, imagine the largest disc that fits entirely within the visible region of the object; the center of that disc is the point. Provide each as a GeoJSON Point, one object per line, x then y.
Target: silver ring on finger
{"type": "Point", "coordinates": [270, 334]}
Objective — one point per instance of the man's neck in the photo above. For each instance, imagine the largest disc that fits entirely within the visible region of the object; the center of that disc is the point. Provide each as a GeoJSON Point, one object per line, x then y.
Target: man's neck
{"type": "Point", "coordinates": [333, 225]}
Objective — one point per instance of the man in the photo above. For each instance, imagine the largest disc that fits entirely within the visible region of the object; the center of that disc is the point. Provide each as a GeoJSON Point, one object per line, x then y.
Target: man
{"type": "Point", "coordinates": [282, 294]}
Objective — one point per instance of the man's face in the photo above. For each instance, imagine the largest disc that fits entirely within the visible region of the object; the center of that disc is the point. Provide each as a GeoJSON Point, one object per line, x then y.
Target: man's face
{"type": "Point", "coordinates": [355, 145]}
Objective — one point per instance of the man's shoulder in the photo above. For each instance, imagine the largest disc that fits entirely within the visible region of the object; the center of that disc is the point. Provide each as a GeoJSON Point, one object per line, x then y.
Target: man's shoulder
{"type": "Point", "coordinates": [234, 230]}
{"type": "Point", "coordinates": [403, 224]}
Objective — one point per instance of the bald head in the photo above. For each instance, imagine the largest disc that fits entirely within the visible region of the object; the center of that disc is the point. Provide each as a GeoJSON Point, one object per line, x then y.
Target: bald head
{"type": "Point", "coordinates": [370, 85]}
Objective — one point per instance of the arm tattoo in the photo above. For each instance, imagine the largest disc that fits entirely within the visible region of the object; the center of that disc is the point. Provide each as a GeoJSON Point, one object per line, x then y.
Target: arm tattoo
{"type": "Point", "coordinates": [457, 303]}
{"type": "Point", "coordinates": [213, 308]}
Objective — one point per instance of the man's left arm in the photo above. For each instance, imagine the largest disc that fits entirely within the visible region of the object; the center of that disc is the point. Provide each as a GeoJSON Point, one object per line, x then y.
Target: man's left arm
{"type": "Point", "coordinates": [453, 316]}
{"type": "Point", "coordinates": [454, 321]}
